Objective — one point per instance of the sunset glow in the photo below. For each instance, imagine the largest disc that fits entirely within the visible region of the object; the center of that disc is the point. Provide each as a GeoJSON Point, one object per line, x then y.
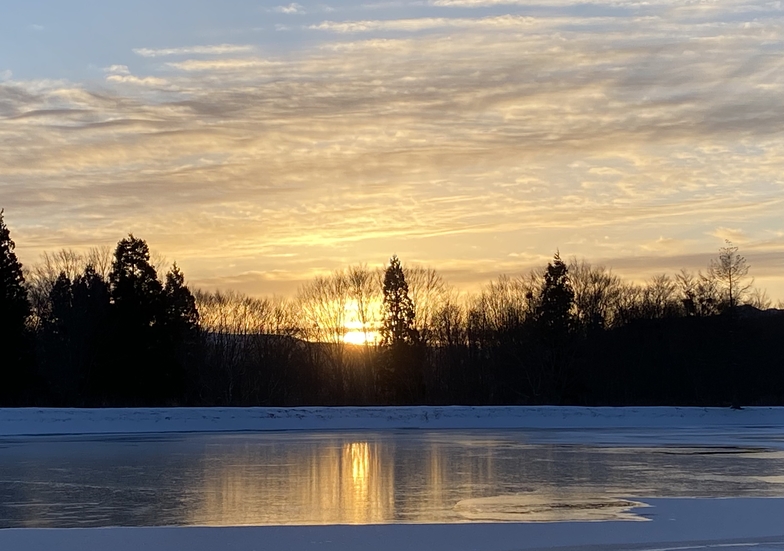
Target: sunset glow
{"type": "Point", "coordinates": [259, 143]}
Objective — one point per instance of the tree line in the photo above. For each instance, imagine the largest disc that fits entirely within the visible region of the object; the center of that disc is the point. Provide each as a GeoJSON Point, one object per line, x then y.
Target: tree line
{"type": "Point", "coordinates": [105, 328]}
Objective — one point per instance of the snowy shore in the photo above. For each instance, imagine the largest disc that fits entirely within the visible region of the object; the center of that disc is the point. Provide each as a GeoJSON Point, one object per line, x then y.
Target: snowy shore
{"type": "Point", "coordinates": [743, 524]}
{"type": "Point", "coordinates": [54, 421]}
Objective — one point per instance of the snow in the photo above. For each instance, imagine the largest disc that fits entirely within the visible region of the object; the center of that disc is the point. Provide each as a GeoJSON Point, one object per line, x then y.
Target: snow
{"type": "Point", "coordinates": [676, 524]}
{"type": "Point", "coordinates": [54, 421]}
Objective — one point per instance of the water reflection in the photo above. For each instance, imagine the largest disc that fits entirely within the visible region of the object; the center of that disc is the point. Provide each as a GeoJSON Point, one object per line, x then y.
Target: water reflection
{"type": "Point", "coordinates": [362, 478]}
{"type": "Point", "coordinates": [328, 482]}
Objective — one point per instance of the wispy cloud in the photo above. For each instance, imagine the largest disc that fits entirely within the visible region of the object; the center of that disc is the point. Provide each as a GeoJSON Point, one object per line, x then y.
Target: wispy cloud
{"type": "Point", "coordinates": [117, 70]}
{"type": "Point", "coordinates": [290, 9]}
{"type": "Point", "coordinates": [424, 23]}
{"type": "Point", "coordinates": [219, 49]}
{"type": "Point", "coordinates": [735, 235]}
{"type": "Point", "coordinates": [647, 135]}
{"type": "Point", "coordinates": [36, 27]}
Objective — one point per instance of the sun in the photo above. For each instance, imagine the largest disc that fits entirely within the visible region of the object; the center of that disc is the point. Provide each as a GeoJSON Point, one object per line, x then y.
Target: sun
{"type": "Point", "coordinates": [358, 335]}
{"type": "Point", "coordinates": [355, 331]}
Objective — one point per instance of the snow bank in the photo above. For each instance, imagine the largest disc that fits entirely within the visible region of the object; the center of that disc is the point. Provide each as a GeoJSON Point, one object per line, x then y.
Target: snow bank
{"type": "Point", "coordinates": [45, 421]}
{"type": "Point", "coordinates": [676, 524]}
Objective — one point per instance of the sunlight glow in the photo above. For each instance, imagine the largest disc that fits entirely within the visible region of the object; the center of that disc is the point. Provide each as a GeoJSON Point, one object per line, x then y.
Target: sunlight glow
{"type": "Point", "coordinates": [360, 328]}
{"type": "Point", "coordinates": [360, 337]}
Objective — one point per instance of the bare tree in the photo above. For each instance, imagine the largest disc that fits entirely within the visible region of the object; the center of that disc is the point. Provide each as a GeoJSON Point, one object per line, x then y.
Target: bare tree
{"type": "Point", "coordinates": [596, 290]}
{"type": "Point", "coordinates": [100, 258]}
{"type": "Point", "coordinates": [628, 305]}
{"type": "Point", "coordinates": [699, 293]}
{"type": "Point", "coordinates": [758, 298]}
{"type": "Point", "coordinates": [365, 293]}
{"type": "Point", "coordinates": [730, 271]}
{"type": "Point", "coordinates": [428, 292]}
{"type": "Point", "coordinates": [659, 298]}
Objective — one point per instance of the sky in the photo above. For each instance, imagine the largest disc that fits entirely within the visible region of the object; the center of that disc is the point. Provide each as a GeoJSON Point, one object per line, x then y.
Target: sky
{"type": "Point", "coordinates": [261, 143]}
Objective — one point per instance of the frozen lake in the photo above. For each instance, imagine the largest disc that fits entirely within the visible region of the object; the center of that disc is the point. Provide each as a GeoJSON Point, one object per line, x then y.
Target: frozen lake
{"type": "Point", "coordinates": [377, 477]}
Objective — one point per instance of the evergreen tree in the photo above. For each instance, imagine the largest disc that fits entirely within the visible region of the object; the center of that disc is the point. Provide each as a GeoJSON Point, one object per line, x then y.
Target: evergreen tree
{"type": "Point", "coordinates": [398, 327]}
{"type": "Point", "coordinates": [14, 310]}
{"type": "Point", "coordinates": [180, 328]}
{"type": "Point", "coordinates": [61, 300]}
{"type": "Point", "coordinates": [401, 374]}
{"type": "Point", "coordinates": [135, 290]}
{"type": "Point", "coordinates": [137, 310]}
{"type": "Point", "coordinates": [90, 331]}
{"type": "Point", "coordinates": [180, 304]}
{"type": "Point", "coordinates": [56, 348]}
{"type": "Point", "coordinates": [555, 326]}
{"type": "Point", "coordinates": [554, 312]}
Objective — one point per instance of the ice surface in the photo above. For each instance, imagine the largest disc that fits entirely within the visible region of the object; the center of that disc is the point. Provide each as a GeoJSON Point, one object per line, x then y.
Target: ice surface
{"type": "Point", "coordinates": [676, 435]}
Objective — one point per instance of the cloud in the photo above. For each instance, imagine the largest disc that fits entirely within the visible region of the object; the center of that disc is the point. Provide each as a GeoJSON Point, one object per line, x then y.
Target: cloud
{"type": "Point", "coordinates": [477, 144]}
{"type": "Point", "coordinates": [219, 49]}
{"type": "Point", "coordinates": [734, 235]}
{"type": "Point", "coordinates": [224, 64]}
{"type": "Point", "coordinates": [292, 8]}
{"type": "Point", "coordinates": [6, 75]}
{"type": "Point", "coordinates": [36, 28]}
{"type": "Point", "coordinates": [146, 81]}
{"type": "Point", "coordinates": [425, 23]}
{"type": "Point", "coordinates": [117, 70]}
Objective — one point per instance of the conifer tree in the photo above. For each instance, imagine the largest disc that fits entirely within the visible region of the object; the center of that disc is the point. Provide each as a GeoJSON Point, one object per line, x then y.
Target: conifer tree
{"type": "Point", "coordinates": [398, 327]}
{"type": "Point", "coordinates": [14, 309]}
{"type": "Point", "coordinates": [401, 375]}
{"type": "Point", "coordinates": [136, 314]}
{"type": "Point", "coordinates": [555, 324]}
{"type": "Point", "coordinates": [180, 332]}
{"type": "Point", "coordinates": [557, 298]}
{"type": "Point", "coordinates": [180, 304]}
{"type": "Point", "coordinates": [13, 295]}
{"type": "Point", "coordinates": [134, 285]}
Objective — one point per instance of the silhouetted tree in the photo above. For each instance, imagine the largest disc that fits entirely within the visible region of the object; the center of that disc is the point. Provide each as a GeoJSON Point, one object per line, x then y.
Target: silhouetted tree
{"type": "Point", "coordinates": [402, 369]}
{"type": "Point", "coordinates": [730, 270]}
{"type": "Point", "coordinates": [398, 327]}
{"type": "Point", "coordinates": [180, 328]}
{"type": "Point", "coordinates": [137, 309]}
{"type": "Point", "coordinates": [135, 289]}
{"type": "Point", "coordinates": [555, 323]}
{"type": "Point", "coordinates": [56, 348]}
{"type": "Point", "coordinates": [596, 294]}
{"type": "Point", "coordinates": [90, 317]}
{"type": "Point", "coordinates": [699, 294]}
{"type": "Point", "coordinates": [554, 312]}
{"type": "Point", "coordinates": [180, 304]}
{"type": "Point", "coordinates": [14, 310]}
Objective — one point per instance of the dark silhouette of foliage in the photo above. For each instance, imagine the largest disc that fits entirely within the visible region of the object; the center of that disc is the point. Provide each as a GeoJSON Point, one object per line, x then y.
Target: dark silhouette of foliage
{"type": "Point", "coordinates": [180, 312]}
{"type": "Point", "coordinates": [402, 377]}
{"type": "Point", "coordinates": [14, 310]}
{"type": "Point", "coordinates": [555, 327]}
{"type": "Point", "coordinates": [730, 271]}
{"type": "Point", "coordinates": [136, 309]}
{"type": "Point", "coordinates": [136, 292]}
{"type": "Point", "coordinates": [180, 326]}
{"type": "Point", "coordinates": [398, 327]}
{"type": "Point", "coordinates": [554, 312]}
{"type": "Point", "coordinates": [572, 334]}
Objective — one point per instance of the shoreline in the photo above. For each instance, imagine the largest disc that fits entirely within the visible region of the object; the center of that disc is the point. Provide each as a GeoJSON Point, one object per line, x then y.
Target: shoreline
{"type": "Point", "coordinates": [83, 421]}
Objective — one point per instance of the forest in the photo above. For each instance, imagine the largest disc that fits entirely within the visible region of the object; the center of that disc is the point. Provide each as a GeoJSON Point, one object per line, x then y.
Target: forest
{"type": "Point", "coordinates": [119, 328]}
